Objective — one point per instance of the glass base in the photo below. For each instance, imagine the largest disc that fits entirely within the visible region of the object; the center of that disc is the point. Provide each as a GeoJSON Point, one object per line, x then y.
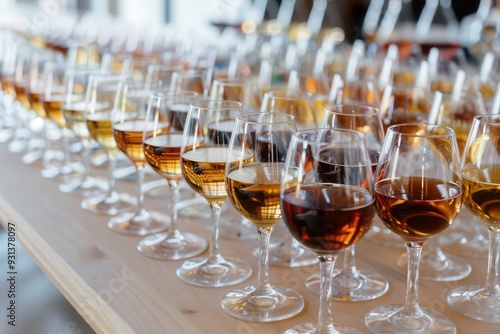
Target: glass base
{"type": "Point", "coordinates": [473, 246]}
{"type": "Point", "coordinates": [226, 271]}
{"type": "Point", "coordinates": [310, 328]}
{"type": "Point", "coordinates": [32, 156]}
{"type": "Point", "coordinates": [291, 255]}
{"type": "Point", "coordinates": [388, 319]}
{"type": "Point", "coordinates": [172, 246]}
{"type": "Point", "coordinates": [368, 285]}
{"type": "Point", "coordinates": [109, 205]}
{"type": "Point", "coordinates": [85, 186]}
{"type": "Point", "coordinates": [471, 302]}
{"type": "Point", "coordinates": [18, 145]}
{"type": "Point", "coordinates": [130, 223]}
{"type": "Point", "coordinates": [239, 229]}
{"type": "Point", "coordinates": [280, 303]}
{"type": "Point", "coordinates": [439, 269]}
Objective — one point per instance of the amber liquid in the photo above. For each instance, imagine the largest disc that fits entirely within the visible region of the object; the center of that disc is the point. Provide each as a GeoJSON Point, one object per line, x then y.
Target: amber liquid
{"type": "Point", "coordinates": [21, 89]}
{"type": "Point", "coordinates": [417, 208]}
{"type": "Point", "coordinates": [53, 107]}
{"type": "Point", "coordinates": [482, 193]}
{"type": "Point", "coordinates": [460, 119]}
{"type": "Point", "coordinates": [203, 170]}
{"type": "Point", "coordinates": [36, 103]}
{"type": "Point", "coordinates": [327, 218]}
{"type": "Point", "coordinates": [254, 190]}
{"type": "Point", "coordinates": [163, 153]}
{"type": "Point", "coordinates": [101, 130]}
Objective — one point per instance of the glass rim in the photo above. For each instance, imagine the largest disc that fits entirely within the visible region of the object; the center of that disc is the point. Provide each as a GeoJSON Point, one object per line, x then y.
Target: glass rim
{"type": "Point", "coordinates": [212, 104]}
{"type": "Point", "coordinates": [487, 118]}
{"type": "Point", "coordinates": [448, 130]}
{"type": "Point", "coordinates": [284, 118]}
{"type": "Point", "coordinates": [356, 108]}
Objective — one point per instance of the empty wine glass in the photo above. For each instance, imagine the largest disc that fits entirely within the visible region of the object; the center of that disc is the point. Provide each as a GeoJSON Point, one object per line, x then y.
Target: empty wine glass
{"type": "Point", "coordinates": [100, 98]}
{"type": "Point", "coordinates": [418, 194]}
{"type": "Point", "coordinates": [327, 202]}
{"type": "Point", "coordinates": [128, 115]}
{"type": "Point", "coordinates": [162, 138]}
{"type": "Point", "coordinates": [254, 167]}
{"type": "Point", "coordinates": [351, 283]}
{"type": "Point", "coordinates": [481, 170]}
{"type": "Point", "coordinates": [207, 131]}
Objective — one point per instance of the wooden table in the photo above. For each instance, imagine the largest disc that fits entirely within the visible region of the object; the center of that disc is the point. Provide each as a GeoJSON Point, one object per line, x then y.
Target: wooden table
{"type": "Point", "coordinates": [117, 290]}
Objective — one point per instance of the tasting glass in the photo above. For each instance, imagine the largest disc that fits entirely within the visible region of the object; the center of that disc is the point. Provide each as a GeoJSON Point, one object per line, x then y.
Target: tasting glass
{"type": "Point", "coordinates": [254, 167]}
{"type": "Point", "coordinates": [245, 91]}
{"type": "Point", "coordinates": [162, 142]}
{"type": "Point", "coordinates": [418, 194]}
{"type": "Point", "coordinates": [351, 283]}
{"type": "Point", "coordinates": [128, 119]}
{"type": "Point", "coordinates": [204, 149]}
{"type": "Point", "coordinates": [481, 175]}
{"type": "Point", "coordinates": [327, 203]}
{"type": "Point", "coordinates": [288, 251]}
{"type": "Point", "coordinates": [193, 79]}
{"type": "Point", "coordinates": [100, 98]}
{"type": "Point", "coordinates": [159, 74]}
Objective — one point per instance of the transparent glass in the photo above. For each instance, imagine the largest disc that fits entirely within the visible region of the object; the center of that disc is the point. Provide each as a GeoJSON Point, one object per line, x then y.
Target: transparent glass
{"type": "Point", "coordinates": [162, 144]}
{"type": "Point", "coordinates": [128, 117]}
{"type": "Point", "coordinates": [351, 283]}
{"type": "Point", "coordinates": [481, 170]}
{"type": "Point", "coordinates": [254, 167]}
{"type": "Point", "coordinates": [418, 192]}
{"type": "Point", "coordinates": [205, 142]}
{"type": "Point", "coordinates": [99, 98]}
{"type": "Point", "coordinates": [325, 188]}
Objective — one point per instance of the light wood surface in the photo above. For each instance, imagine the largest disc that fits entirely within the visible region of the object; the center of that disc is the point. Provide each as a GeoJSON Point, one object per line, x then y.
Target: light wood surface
{"type": "Point", "coordinates": [117, 290]}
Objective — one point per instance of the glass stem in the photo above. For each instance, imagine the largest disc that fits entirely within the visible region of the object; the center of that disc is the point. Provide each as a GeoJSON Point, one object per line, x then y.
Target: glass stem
{"type": "Point", "coordinates": [411, 306]}
{"type": "Point", "coordinates": [214, 255]}
{"type": "Point", "coordinates": [66, 152]}
{"type": "Point", "coordinates": [263, 285]}
{"type": "Point", "coordinates": [140, 171]}
{"type": "Point", "coordinates": [349, 269]}
{"type": "Point", "coordinates": [493, 274]}
{"type": "Point", "coordinates": [111, 176]}
{"type": "Point", "coordinates": [174, 199]}
{"type": "Point", "coordinates": [325, 318]}
{"type": "Point", "coordinates": [86, 157]}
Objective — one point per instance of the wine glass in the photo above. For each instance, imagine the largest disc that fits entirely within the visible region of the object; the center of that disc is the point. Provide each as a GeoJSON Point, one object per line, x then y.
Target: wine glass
{"type": "Point", "coordinates": [163, 140]}
{"type": "Point", "coordinates": [204, 149]}
{"type": "Point", "coordinates": [481, 170]}
{"type": "Point", "coordinates": [327, 202]}
{"type": "Point", "coordinates": [351, 283]}
{"type": "Point", "coordinates": [254, 167]}
{"type": "Point", "coordinates": [288, 251]}
{"type": "Point", "coordinates": [192, 79]}
{"type": "Point", "coordinates": [100, 98]}
{"type": "Point", "coordinates": [128, 115]}
{"type": "Point", "coordinates": [418, 193]}
{"type": "Point", "coordinates": [245, 91]}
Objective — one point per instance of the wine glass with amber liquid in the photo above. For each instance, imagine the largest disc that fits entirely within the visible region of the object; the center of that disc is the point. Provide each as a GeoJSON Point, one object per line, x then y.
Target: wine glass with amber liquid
{"type": "Point", "coordinates": [418, 194]}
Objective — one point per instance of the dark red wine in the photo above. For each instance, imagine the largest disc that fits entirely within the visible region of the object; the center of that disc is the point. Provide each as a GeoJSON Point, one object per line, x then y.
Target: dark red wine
{"type": "Point", "coordinates": [327, 218]}
{"type": "Point", "coordinates": [272, 146]}
{"type": "Point", "coordinates": [333, 168]}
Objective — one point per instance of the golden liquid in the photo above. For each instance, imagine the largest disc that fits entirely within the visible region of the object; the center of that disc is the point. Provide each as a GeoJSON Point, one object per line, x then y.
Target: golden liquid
{"type": "Point", "coordinates": [21, 89]}
{"type": "Point", "coordinates": [254, 190]}
{"type": "Point", "coordinates": [8, 86]}
{"type": "Point", "coordinates": [74, 114]}
{"type": "Point", "coordinates": [460, 119]}
{"type": "Point", "coordinates": [482, 193]}
{"type": "Point", "coordinates": [101, 130]}
{"type": "Point", "coordinates": [301, 109]}
{"type": "Point", "coordinates": [53, 107]}
{"type": "Point", "coordinates": [35, 100]}
{"type": "Point", "coordinates": [163, 153]}
{"type": "Point", "coordinates": [128, 137]}
{"type": "Point", "coordinates": [203, 169]}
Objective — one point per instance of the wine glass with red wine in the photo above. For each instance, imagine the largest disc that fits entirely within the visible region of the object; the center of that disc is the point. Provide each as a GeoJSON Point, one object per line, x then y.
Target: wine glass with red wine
{"type": "Point", "coordinates": [330, 206]}
{"type": "Point", "coordinates": [418, 194]}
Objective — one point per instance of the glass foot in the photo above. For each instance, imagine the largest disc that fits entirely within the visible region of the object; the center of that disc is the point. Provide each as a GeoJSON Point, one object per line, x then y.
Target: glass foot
{"type": "Point", "coordinates": [172, 246]}
{"type": "Point", "coordinates": [222, 272]}
{"type": "Point", "coordinates": [87, 187]}
{"type": "Point", "coordinates": [109, 205]}
{"type": "Point", "coordinates": [445, 268]}
{"type": "Point", "coordinates": [239, 229]}
{"type": "Point", "coordinates": [130, 223]}
{"type": "Point", "coordinates": [473, 303]}
{"type": "Point", "coordinates": [366, 286]}
{"type": "Point", "coordinates": [278, 304]}
{"type": "Point", "coordinates": [390, 319]}
{"type": "Point", "coordinates": [310, 328]}
{"type": "Point", "coordinates": [289, 254]}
